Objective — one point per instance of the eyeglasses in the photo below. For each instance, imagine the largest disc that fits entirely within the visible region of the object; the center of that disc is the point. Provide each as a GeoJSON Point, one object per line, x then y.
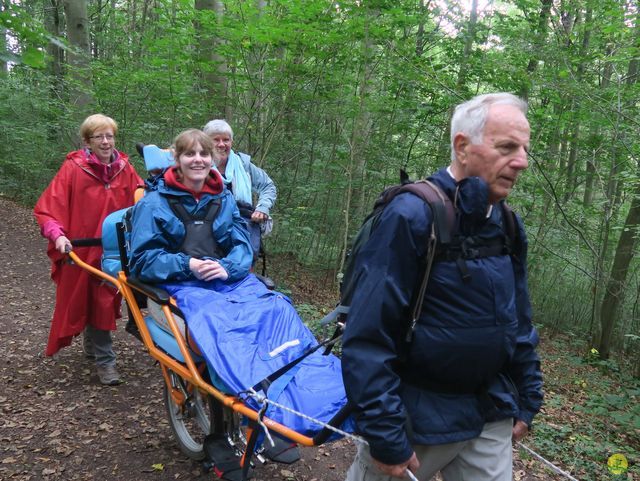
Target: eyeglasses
{"type": "Point", "coordinates": [103, 136]}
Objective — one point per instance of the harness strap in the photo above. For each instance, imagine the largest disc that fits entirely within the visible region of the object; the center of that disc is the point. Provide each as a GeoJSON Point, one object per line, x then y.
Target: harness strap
{"type": "Point", "coordinates": [181, 212]}
{"type": "Point", "coordinates": [212, 212]}
{"type": "Point", "coordinates": [469, 250]}
{"type": "Point", "coordinates": [511, 228]}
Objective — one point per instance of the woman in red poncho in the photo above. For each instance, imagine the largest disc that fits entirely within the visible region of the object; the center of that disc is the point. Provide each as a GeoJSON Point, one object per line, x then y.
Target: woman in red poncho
{"type": "Point", "coordinates": [92, 183]}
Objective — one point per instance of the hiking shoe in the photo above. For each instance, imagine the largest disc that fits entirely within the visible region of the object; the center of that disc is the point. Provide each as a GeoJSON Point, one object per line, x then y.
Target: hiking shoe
{"type": "Point", "coordinates": [108, 375]}
{"type": "Point", "coordinates": [87, 347]}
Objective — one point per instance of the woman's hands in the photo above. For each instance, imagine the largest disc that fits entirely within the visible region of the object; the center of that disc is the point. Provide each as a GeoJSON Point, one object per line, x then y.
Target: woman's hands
{"type": "Point", "coordinates": [61, 244]}
{"type": "Point", "coordinates": [207, 269]}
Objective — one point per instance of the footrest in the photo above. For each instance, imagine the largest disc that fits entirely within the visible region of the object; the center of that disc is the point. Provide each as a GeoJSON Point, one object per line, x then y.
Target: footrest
{"type": "Point", "coordinates": [285, 452]}
{"type": "Point", "coordinates": [224, 461]}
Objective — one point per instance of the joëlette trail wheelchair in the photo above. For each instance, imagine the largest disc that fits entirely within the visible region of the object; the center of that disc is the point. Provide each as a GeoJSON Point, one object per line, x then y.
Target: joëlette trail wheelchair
{"type": "Point", "coordinates": [223, 430]}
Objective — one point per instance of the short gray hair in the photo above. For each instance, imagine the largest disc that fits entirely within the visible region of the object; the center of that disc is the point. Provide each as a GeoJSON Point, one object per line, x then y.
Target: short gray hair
{"type": "Point", "coordinates": [217, 126]}
{"type": "Point", "coordinates": [470, 117]}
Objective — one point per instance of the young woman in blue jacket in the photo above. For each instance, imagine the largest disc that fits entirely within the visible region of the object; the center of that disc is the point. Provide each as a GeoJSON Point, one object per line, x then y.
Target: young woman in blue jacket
{"type": "Point", "coordinates": [222, 252]}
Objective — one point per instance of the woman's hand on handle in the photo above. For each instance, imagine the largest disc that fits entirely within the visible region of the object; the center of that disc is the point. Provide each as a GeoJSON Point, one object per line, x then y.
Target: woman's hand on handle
{"type": "Point", "coordinates": [207, 269]}
{"type": "Point", "coordinates": [63, 245]}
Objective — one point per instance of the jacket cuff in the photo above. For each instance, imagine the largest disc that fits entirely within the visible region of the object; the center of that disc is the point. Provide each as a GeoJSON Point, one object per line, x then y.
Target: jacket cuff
{"type": "Point", "coordinates": [263, 209]}
{"type": "Point", "coordinates": [185, 266]}
{"type": "Point", "coordinates": [382, 452]}
{"type": "Point", "coordinates": [527, 417]}
{"type": "Point", "coordinates": [232, 273]}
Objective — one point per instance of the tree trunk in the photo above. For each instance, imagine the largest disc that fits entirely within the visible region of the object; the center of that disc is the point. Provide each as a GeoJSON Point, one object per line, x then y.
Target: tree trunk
{"type": "Point", "coordinates": [213, 65]}
{"type": "Point", "coordinates": [80, 94]}
{"type": "Point", "coordinates": [594, 138]}
{"type": "Point", "coordinates": [615, 287]}
{"type": "Point", "coordinates": [52, 23]}
{"type": "Point", "coordinates": [540, 35]}
{"type": "Point", "coordinates": [4, 67]}
{"type": "Point", "coordinates": [573, 155]}
{"type": "Point", "coordinates": [613, 295]}
{"type": "Point", "coordinates": [423, 9]}
{"type": "Point", "coordinates": [359, 139]}
{"type": "Point", "coordinates": [219, 79]}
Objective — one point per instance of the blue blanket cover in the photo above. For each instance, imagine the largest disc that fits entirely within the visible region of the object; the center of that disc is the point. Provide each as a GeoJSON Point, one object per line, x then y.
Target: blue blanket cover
{"type": "Point", "coordinates": [246, 332]}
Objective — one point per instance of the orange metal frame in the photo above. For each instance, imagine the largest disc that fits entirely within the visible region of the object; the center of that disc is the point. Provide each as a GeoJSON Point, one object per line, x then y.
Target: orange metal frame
{"type": "Point", "coordinates": [189, 370]}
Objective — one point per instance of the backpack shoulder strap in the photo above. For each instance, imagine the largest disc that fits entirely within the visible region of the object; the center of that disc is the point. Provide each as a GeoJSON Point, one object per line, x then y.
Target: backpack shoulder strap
{"type": "Point", "coordinates": [441, 206]}
{"type": "Point", "coordinates": [441, 232]}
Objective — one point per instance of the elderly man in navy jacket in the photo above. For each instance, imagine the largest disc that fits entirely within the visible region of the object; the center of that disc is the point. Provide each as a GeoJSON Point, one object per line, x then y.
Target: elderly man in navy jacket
{"type": "Point", "coordinates": [469, 382]}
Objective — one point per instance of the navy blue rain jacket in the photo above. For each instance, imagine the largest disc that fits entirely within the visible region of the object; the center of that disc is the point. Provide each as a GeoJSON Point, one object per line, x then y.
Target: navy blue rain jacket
{"type": "Point", "coordinates": [472, 358]}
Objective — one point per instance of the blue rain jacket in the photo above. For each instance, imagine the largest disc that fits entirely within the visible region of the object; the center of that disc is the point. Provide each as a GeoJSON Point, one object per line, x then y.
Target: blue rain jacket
{"type": "Point", "coordinates": [472, 358]}
{"type": "Point", "coordinates": [157, 234]}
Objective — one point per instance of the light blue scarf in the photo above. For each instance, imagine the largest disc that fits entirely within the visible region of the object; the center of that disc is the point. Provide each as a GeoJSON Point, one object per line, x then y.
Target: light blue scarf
{"type": "Point", "coordinates": [239, 178]}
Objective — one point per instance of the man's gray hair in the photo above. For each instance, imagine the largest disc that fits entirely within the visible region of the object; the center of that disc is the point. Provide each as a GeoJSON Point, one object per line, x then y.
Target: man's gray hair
{"type": "Point", "coordinates": [217, 126]}
{"type": "Point", "coordinates": [470, 117]}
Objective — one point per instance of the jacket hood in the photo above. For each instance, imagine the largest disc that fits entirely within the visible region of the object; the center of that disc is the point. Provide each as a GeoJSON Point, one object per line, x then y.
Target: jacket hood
{"type": "Point", "coordinates": [470, 196]}
{"type": "Point", "coordinates": [105, 172]}
{"type": "Point", "coordinates": [213, 183]}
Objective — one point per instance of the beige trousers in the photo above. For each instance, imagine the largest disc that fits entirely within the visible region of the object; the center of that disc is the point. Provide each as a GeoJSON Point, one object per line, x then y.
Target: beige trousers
{"type": "Point", "coordinates": [485, 458]}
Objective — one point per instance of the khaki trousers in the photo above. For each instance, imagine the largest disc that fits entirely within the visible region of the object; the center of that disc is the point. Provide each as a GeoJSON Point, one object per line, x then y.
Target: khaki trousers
{"type": "Point", "coordinates": [485, 458]}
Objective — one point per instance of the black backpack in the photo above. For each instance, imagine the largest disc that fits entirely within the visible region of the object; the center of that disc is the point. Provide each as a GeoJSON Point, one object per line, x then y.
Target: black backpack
{"type": "Point", "coordinates": [444, 243]}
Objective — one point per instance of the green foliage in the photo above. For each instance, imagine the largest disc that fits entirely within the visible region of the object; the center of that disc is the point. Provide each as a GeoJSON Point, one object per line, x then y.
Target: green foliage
{"type": "Point", "coordinates": [18, 23]}
{"type": "Point", "coordinates": [332, 99]}
{"type": "Point", "coordinates": [593, 358]}
{"type": "Point", "coordinates": [608, 409]}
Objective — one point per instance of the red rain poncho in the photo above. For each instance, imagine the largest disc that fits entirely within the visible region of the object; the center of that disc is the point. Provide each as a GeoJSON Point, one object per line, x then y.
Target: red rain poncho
{"type": "Point", "coordinates": [75, 203]}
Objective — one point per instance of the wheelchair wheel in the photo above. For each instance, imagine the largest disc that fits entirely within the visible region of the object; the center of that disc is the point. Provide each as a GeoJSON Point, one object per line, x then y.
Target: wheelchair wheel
{"type": "Point", "coordinates": [191, 421]}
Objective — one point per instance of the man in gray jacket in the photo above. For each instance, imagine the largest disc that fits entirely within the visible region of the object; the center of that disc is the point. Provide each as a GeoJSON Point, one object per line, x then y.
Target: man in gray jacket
{"type": "Point", "coordinates": [243, 179]}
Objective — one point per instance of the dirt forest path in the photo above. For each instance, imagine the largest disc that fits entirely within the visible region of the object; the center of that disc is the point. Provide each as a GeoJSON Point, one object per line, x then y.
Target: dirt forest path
{"type": "Point", "coordinates": [58, 423]}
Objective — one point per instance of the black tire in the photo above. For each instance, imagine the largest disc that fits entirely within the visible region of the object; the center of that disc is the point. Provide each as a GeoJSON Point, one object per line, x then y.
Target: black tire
{"type": "Point", "coordinates": [190, 422]}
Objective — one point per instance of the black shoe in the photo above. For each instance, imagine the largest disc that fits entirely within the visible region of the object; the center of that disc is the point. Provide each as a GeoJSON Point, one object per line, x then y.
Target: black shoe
{"type": "Point", "coordinates": [283, 451]}
{"type": "Point", "coordinates": [221, 458]}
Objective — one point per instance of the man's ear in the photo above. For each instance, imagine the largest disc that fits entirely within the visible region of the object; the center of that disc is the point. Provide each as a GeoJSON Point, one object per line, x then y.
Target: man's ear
{"type": "Point", "coordinates": [460, 143]}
